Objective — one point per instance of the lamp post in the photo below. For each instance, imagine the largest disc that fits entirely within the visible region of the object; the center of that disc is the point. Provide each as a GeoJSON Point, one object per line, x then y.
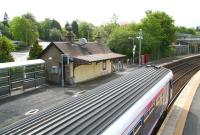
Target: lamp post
{"type": "Point", "coordinates": [140, 40]}
{"type": "Point", "coordinates": [132, 38]}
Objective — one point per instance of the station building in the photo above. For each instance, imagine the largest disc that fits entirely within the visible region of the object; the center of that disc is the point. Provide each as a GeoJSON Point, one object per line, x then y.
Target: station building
{"type": "Point", "coordinates": [75, 62]}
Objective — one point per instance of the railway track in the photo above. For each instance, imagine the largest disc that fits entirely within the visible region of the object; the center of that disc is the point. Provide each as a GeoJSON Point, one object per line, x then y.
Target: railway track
{"type": "Point", "coordinates": [183, 71]}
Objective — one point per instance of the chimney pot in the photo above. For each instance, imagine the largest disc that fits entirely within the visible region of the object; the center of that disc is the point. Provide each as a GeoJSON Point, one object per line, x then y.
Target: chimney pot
{"type": "Point", "coordinates": [98, 37]}
{"type": "Point", "coordinates": [70, 35]}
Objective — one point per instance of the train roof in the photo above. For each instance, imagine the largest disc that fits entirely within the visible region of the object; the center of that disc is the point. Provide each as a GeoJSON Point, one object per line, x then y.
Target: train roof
{"type": "Point", "coordinates": [95, 110]}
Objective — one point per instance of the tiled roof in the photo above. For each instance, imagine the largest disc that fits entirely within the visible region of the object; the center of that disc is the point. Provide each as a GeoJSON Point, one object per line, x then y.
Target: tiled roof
{"type": "Point", "coordinates": [99, 57]}
{"type": "Point", "coordinates": [87, 49]}
{"type": "Point", "coordinates": [90, 52]}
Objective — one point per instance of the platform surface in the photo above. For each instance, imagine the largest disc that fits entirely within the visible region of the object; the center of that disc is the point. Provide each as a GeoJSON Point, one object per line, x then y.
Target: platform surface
{"type": "Point", "coordinates": [183, 118]}
{"type": "Point", "coordinates": [192, 125]}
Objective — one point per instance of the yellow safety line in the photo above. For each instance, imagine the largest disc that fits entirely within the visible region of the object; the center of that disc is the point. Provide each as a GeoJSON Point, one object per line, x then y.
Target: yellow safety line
{"type": "Point", "coordinates": [191, 87]}
{"type": "Point", "coordinates": [175, 121]}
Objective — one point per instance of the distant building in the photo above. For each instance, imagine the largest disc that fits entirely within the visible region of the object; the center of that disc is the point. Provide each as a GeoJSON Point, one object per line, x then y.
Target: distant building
{"type": "Point", "coordinates": [186, 43]}
{"type": "Point", "coordinates": [187, 39]}
{"type": "Point", "coordinates": [82, 61]}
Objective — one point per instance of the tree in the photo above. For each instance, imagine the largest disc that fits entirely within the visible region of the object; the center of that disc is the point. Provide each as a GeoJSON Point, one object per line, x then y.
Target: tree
{"type": "Point", "coordinates": [5, 30]}
{"type": "Point", "coordinates": [75, 28]}
{"type": "Point", "coordinates": [66, 25]}
{"type": "Point", "coordinates": [6, 47]}
{"type": "Point", "coordinates": [45, 27]}
{"type": "Point", "coordinates": [106, 30]}
{"type": "Point", "coordinates": [55, 34]}
{"type": "Point", "coordinates": [5, 19]}
{"type": "Point", "coordinates": [86, 29]}
{"type": "Point", "coordinates": [30, 17]}
{"type": "Point", "coordinates": [183, 29]}
{"type": "Point", "coordinates": [55, 24]}
{"type": "Point", "coordinates": [24, 30]}
{"type": "Point", "coordinates": [158, 32]}
{"type": "Point", "coordinates": [118, 40]}
{"type": "Point", "coordinates": [34, 23]}
{"type": "Point", "coordinates": [35, 50]}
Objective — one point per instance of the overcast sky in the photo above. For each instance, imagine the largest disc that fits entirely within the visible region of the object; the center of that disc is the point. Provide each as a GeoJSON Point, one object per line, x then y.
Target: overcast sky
{"type": "Point", "coordinates": [184, 12]}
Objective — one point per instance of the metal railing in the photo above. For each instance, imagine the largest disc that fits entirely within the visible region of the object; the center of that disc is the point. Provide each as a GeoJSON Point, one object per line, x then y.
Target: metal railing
{"type": "Point", "coordinates": [21, 78]}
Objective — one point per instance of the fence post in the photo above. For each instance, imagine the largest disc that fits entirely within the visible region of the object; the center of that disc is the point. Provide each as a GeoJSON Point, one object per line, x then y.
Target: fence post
{"type": "Point", "coordinates": [9, 80]}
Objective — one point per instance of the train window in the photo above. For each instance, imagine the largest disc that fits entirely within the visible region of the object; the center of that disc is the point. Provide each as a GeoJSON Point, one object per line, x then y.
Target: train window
{"type": "Point", "coordinates": [170, 84]}
{"type": "Point", "coordinates": [131, 133]}
{"type": "Point", "coordinates": [148, 120]}
{"type": "Point", "coordinates": [137, 129]}
{"type": "Point", "coordinates": [164, 94]}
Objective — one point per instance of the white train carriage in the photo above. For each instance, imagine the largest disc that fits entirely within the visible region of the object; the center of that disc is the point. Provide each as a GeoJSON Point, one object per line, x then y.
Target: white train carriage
{"type": "Point", "coordinates": [128, 105]}
{"type": "Point", "coordinates": [141, 118]}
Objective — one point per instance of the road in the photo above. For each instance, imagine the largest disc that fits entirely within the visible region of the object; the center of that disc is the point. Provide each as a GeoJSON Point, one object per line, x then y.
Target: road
{"type": "Point", "coordinates": [20, 56]}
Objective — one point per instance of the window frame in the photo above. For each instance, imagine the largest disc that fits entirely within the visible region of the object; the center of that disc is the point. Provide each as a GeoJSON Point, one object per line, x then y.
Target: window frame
{"type": "Point", "coordinates": [104, 65]}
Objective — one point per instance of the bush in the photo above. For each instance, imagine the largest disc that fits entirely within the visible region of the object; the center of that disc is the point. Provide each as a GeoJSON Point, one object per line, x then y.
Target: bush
{"type": "Point", "coordinates": [6, 47]}
{"type": "Point", "coordinates": [35, 51]}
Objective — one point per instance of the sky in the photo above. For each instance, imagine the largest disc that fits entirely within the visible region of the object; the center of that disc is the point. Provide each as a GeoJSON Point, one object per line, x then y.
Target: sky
{"type": "Point", "coordinates": [184, 12]}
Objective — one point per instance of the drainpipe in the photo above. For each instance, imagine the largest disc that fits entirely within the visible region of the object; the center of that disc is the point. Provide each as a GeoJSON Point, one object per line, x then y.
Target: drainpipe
{"type": "Point", "coordinates": [62, 71]}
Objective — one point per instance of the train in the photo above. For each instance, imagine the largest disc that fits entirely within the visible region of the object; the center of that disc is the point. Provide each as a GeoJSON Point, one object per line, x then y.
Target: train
{"type": "Point", "coordinates": [142, 117]}
{"type": "Point", "coordinates": [129, 105]}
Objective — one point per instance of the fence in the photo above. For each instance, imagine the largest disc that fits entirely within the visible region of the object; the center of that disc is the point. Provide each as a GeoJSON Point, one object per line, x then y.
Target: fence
{"type": "Point", "coordinates": [21, 76]}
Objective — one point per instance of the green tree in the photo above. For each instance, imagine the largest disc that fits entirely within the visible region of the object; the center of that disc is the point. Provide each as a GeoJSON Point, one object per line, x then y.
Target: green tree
{"type": "Point", "coordinates": [46, 26]}
{"type": "Point", "coordinates": [6, 19]}
{"type": "Point", "coordinates": [158, 32]}
{"type": "Point", "coordinates": [66, 26]}
{"type": "Point", "coordinates": [185, 30]}
{"type": "Point", "coordinates": [35, 50]}
{"type": "Point", "coordinates": [106, 30]}
{"type": "Point", "coordinates": [55, 34]}
{"type": "Point", "coordinates": [86, 29]}
{"type": "Point", "coordinates": [55, 24]}
{"type": "Point", "coordinates": [34, 23]}
{"type": "Point", "coordinates": [118, 40]}
{"type": "Point", "coordinates": [30, 17]}
{"type": "Point", "coordinates": [6, 47]}
{"type": "Point", "coordinates": [5, 30]}
{"type": "Point", "coordinates": [24, 30]}
{"type": "Point", "coordinates": [75, 28]}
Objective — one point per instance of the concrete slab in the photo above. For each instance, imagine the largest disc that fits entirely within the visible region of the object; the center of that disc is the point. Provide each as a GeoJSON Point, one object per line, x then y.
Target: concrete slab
{"type": "Point", "coordinates": [193, 119]}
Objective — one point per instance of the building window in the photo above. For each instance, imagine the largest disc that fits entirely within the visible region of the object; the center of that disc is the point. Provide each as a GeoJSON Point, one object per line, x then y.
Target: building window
{"type": "Point", "coordinates": [104, 65]}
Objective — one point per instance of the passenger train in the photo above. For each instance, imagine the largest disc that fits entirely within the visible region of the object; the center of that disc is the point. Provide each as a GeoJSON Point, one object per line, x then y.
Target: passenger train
{"type": "Point", "coordinates": [142, 117]}
{"type": "Point", "coordinates": [130, 105]}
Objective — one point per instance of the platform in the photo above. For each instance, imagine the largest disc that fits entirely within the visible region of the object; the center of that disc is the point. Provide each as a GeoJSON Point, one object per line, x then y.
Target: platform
{"type": "Point", "coordinates": [185, 113]}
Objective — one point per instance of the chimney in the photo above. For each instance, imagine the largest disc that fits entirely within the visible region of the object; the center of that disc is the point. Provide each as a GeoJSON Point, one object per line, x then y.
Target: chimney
{"type": "Point", "coordinates": [98, 38]}
{"type": "Point", "coordinates": [70, 35]}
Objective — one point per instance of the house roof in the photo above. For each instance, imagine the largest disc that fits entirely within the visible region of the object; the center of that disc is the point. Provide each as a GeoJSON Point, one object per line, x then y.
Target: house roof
{"type": "Point", "coordinates": [78, 50]}
{"type": "Point", "coordinates": [90, 52]}
{"type": "Point", "coordinates": [99, 57]}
